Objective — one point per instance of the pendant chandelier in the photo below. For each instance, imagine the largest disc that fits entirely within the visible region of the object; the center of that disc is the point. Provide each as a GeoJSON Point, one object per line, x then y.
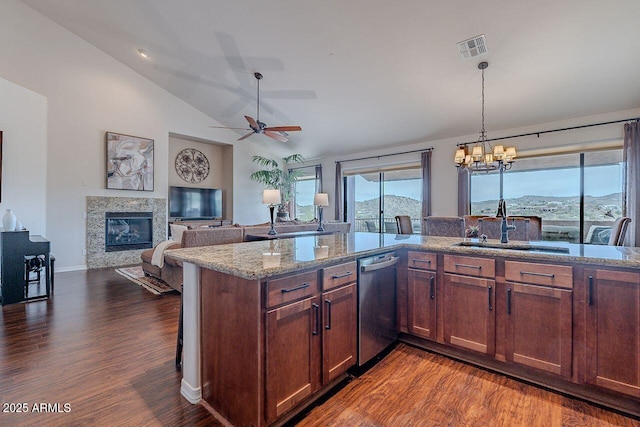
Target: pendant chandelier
{"type": "Point", "coordinates": [481, 157]}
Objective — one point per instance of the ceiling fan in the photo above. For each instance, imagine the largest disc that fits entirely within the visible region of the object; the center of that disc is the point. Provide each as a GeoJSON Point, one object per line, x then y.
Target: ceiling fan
{"type": "Point", "coordinates": [279, 133]}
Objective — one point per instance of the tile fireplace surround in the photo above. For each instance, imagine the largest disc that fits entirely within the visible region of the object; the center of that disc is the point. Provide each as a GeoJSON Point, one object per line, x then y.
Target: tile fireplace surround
{"type": "Point", "coordinates": [97, 257]}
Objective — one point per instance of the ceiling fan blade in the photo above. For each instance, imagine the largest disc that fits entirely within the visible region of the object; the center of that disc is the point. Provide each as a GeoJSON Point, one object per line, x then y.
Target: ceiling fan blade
{"type": "Point", "coordinates": [284, 128]}
{"type": "Point", "coordinates": [246, 136]}
{"type": "Point", "coordinates": [225, 127]}
{"type": "Point", "coordinates": [252, 123]}
{"type": "Point", "coordinates": [275, 135]}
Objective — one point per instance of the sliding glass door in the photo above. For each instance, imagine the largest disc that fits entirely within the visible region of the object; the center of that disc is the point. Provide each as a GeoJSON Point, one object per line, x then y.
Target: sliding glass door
{"type": "Point", "coordinates": [577, 195]}
{"type": "Point", "coordinates": [373, 199]}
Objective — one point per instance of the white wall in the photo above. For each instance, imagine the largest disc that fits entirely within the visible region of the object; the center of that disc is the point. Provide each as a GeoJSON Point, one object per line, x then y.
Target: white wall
{"type": "Point", "coordinates": [89, 93]}
{"type": "Point", "coordinates": [23, 120]}
{"type": "Point", "coordinates": [444, 188]}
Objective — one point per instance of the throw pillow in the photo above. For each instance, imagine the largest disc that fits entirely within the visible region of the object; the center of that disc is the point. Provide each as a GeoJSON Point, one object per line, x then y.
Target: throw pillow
{"type": "Point", "coordinates": [176, 231]}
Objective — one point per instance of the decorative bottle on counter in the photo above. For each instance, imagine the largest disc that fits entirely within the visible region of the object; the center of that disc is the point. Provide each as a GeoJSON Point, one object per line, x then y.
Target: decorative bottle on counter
{"type": "Point", "coordinates": [9, 221]}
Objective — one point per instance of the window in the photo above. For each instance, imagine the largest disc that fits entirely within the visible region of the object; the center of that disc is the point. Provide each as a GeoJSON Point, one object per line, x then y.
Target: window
{"type": "Point", "coordinates": [307, 185]}
{"type": "Point", "coordinates": [373, 199]}
{"type": "Point", "coordinates": [577, 195]}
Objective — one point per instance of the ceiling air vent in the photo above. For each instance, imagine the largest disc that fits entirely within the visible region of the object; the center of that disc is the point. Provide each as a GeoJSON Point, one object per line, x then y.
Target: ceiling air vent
{"type": "Point", "coordinates": [473, 47]}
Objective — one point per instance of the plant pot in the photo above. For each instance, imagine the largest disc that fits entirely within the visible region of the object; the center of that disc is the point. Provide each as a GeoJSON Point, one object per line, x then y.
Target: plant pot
{"type": "Point", "coordinates": [282, 217]}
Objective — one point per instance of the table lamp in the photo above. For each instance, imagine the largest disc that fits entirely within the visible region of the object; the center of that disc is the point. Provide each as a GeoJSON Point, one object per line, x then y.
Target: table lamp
{"type": "Point", "coordinates": [320, 200]}
{"type": "Point", "coordinates": [271, 198]}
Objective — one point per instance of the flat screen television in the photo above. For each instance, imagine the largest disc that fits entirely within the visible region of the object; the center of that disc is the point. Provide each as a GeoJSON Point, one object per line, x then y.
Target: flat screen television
{"type": "Point", "coordinates": [195, 203]}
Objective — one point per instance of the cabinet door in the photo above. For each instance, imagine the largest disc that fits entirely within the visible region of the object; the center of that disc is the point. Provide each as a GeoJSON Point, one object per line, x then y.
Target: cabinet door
{"type": "Point", "coordinates": [422, 303]}
{"type": "Point", "coordinates": [293, 355]}
{"type": "Point", "coordinates": [539, 327]}
{"type": "Point", "coordinates": [613, 330]}
{"type": "Point", "coordinates": [339, 331]}
{"type": "Point", "coordinates": [469, 318]}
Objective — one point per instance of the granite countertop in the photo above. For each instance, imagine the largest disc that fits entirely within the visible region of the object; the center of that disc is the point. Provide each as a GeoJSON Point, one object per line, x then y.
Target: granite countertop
{"type": "Point", "coordinates": [261, 259]}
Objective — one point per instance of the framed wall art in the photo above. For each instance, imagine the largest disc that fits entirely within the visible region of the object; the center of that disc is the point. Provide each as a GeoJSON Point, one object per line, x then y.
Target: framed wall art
{"type": "Point", "coordinates": [129, 162]}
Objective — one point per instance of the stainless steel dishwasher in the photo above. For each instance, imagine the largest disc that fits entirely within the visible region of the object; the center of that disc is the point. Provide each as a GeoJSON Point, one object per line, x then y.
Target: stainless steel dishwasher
{"type": "Point", "coordinates": [376, 305]}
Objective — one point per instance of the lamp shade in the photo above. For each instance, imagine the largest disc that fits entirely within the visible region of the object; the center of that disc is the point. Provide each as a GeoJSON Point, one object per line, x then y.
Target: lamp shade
{"type": "Point", "coordinates": [321, 199]}
{"type": "Point", "coordinates": [460, 155]}
{"type": "Point", "coordinates": [271, 197]}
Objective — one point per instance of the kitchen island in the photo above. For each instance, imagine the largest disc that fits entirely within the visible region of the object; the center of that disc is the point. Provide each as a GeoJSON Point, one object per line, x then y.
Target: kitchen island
{"type": "Point", "coordinates": [237, 297]}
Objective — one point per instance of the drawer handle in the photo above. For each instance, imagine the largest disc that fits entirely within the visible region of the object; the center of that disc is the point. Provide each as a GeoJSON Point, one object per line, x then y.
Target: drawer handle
{"type": "Point", "coordinates": [479, 267]}
{"type": "Point", "coordinates": [316, 308]}
{"type": "Point", "coordinates": [432, 289]}
{"type": "Point", "coordinates": [340, 276]}
{"type": "Point", "coordinates": [531, 273]}
{"type": "Point", "coordinates": [304, 285]}
{"type": "Point", "coordinates": [428, 261]}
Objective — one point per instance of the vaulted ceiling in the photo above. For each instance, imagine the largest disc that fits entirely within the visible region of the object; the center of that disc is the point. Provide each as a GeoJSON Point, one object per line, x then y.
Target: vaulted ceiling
{"type": "Point", "coordinates": [360, 74]}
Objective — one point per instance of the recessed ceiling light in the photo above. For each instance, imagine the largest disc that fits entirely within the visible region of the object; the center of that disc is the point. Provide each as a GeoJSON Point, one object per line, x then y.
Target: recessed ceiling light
{"type": "Point", "coordinates": [143, 53]}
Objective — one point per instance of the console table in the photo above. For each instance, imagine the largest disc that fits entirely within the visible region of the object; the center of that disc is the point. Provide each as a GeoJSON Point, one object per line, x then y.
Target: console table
{"type": "Point", "coordinates": [15, 248]}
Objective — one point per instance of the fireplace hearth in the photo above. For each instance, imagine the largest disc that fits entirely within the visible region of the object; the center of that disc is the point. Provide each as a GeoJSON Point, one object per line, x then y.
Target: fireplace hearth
{"type": "Point", "coordinates": [126, 231]}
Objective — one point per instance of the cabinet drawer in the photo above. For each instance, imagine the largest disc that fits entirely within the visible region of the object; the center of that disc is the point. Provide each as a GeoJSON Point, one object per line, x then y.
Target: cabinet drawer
{"type": "Point", "coordinates": [339, 275]}
{"type": "Point", "coordinates": [291, 288]}
{"type": "Point", "coordinates": [470, 266]}
{"type": "Point", "coordinates": [422, 260]}
{"type": "Point", "coordinates": [539, 274]}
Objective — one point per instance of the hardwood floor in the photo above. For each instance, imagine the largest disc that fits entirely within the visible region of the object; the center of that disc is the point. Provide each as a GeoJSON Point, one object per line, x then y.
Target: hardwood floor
{"type": "Point", "coordinates": [106, 347]}
{"type": "Point", "coordinates": [414, 387]}
{"type": "Point", "coordinates": [103, 345]}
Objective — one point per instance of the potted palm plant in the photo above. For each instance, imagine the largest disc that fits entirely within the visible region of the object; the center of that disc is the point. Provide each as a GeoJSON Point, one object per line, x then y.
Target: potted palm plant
{"type": "Point", "coordinates": [279, 178]}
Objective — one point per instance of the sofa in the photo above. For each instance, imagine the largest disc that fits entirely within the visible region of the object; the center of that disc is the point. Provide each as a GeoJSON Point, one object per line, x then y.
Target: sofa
{"type": "Point", "coordinates": [171, 270]}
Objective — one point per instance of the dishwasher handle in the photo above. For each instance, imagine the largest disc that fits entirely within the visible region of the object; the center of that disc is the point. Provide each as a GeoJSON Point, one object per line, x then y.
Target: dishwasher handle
{"type": "Point", "coordinates": [379, 265]}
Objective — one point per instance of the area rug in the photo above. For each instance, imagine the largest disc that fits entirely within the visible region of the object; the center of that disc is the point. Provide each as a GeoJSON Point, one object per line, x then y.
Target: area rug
{"type": "Point", "coordinates": [153, 285]}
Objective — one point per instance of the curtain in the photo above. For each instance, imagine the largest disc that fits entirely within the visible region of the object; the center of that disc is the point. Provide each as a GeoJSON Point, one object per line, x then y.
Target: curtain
{"type": "Point", "coordinates": [319, 179]}
{"type": "Point", "coordinates": [318, 186]}
{"type": "Point", "coordinates": [464, 184]}
{"type": "Point", "coordinates": [339, 196]}
{"type": "Point", "coordinates": [425, 164]}
{"type": "Point", "coordinates": [631, 199]}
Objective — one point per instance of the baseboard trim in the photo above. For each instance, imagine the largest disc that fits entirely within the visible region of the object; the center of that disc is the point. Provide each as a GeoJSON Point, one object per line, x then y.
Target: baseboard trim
{"type": "Point", "coordinates": [70, 268]}
{"type": "Point", "coordinates": [193, 395]}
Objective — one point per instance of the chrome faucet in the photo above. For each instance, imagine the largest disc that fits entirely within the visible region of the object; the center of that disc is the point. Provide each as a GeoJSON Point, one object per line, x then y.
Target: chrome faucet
{"type": "Point", "coordinates": [504, 227]}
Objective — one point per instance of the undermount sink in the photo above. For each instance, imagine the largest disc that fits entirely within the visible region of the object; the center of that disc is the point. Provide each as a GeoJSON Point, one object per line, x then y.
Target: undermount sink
{"type": "Point", "coordinates": [514, 246]}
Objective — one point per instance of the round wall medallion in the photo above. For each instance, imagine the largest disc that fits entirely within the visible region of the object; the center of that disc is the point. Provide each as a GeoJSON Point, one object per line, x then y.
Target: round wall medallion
{"type": "Point", "coordinates": [192, 165]}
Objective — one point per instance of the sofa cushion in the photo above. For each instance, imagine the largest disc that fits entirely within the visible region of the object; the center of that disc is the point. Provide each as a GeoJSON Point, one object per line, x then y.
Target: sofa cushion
{"type": "Point", "coordinates": [211, 236]}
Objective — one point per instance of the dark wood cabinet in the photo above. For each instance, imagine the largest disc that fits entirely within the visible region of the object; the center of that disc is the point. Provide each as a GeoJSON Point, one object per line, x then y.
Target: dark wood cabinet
{"type": "Point", "coordinates": [539, 313]}
{"type": "Point", "coordinates": [469, 300]}
{"type": "Point", "coordinates": [293, 354]}
{"type": "Point", "coordinates": [422, 294]}
{"type": "Point", "coordinates": [469, 316]}
{"type": "Point", "coordinates": [539, 327]}
{"type": "Point", "coordinates": [612, 330]}
{"type": "Point", "coordinates": [339, 331]}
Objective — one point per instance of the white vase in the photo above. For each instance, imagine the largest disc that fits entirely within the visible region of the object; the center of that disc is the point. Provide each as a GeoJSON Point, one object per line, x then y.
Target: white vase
{"type": "Point", "coordinates": [19, 226]}
{"type": "Point", "coordinates": [9, 221]}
